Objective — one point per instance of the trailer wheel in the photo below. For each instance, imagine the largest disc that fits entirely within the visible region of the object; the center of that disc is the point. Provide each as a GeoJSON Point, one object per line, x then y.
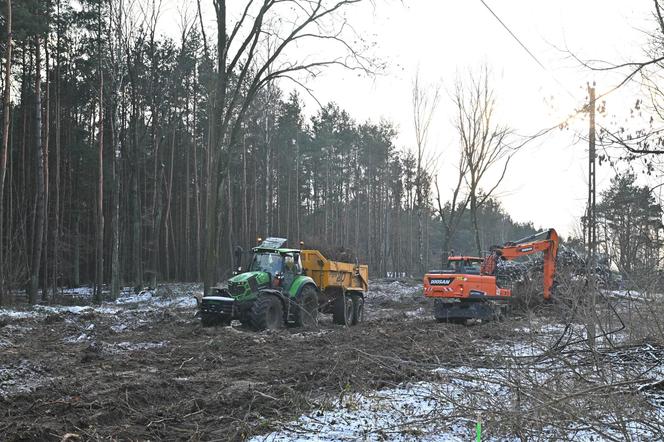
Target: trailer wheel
{"type": "Point", "coordinates": [343, 310]}
{"type": "Point", "coordinates": [306, 309]}
{"type": "Point", "coordinates": [358, 309]}
{"type": "Point", "coordinates": [267, 313]}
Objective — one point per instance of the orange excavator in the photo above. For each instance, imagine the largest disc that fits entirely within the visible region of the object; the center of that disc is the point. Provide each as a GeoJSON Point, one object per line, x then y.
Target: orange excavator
{"type": "Point", "coordinates": [468, 290]}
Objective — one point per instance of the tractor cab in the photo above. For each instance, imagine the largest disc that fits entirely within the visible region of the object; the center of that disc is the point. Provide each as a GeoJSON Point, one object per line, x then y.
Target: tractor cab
{"type": "Point", "coordinates": [283, 265]}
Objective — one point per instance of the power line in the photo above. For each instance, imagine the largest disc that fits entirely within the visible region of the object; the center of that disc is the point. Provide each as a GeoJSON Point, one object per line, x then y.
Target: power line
{"type": "Point", "coordinates": [525, 48]}
{"type": "Point", "coordinates": [582, 109]}
{"type": "Point", "coordinates": [529, 52]}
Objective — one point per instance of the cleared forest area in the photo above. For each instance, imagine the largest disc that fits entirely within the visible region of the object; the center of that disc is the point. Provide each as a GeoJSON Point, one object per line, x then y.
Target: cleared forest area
{"type": "Point", "coordinates": [144, 368]}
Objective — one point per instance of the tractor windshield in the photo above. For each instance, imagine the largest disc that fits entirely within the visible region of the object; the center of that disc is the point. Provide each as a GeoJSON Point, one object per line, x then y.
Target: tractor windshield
{"type": "Point", "coordinates": [271, 263]}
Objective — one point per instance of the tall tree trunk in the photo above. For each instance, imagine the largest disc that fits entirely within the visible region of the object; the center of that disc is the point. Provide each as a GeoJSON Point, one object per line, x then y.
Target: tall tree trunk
{"type": "Point", "coordinates": [56, 230]}
{"type": "Point", "coordinates": [197, 194]}
{"type": "Point", "coordinates": [99, 231]}
{"type": "Point", "coordinates": [245, 210]}
{"type": "Point", "coordinates": [76, 277]}
{"type": "Point", "coordinates": [168, 221]}
{"type": "Point", "coordinates": [39, 215]}
{"type": "Point", "coordinates": [5, 143]}
{"type": "Point", "coordinates": [134, 199]}
{"type": "Point", "coordinates": [473, 214]}
{"type": "Point", "coordinates": [187, 216]}
{"type": "Point", "coordinates": [46, 139]}
{"type": "Point", "coordinates": [115, 228]}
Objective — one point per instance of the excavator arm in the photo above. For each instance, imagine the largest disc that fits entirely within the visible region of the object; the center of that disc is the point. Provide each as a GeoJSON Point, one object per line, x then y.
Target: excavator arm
{"type": "Point", "coordinates": [528, 246]}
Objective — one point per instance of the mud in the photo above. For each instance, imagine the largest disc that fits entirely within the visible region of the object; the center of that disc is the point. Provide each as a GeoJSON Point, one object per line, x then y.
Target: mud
{"type": "Point", "coordinates": [155, 373]}
{"type": "Point", "coordinates": [146, 369]}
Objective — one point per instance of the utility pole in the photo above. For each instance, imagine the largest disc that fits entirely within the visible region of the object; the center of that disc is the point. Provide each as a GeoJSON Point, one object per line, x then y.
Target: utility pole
{"type": "Point", "coordinates": [591, 219]}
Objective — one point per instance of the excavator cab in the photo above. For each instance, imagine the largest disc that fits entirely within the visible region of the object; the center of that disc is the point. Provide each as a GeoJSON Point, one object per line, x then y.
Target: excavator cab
{"type": "Point", "coordinates": [465, 264]}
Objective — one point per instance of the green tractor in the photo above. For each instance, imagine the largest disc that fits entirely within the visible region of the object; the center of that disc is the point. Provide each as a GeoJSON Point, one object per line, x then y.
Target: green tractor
{"type": "Point", "coordinates": [274, 291]}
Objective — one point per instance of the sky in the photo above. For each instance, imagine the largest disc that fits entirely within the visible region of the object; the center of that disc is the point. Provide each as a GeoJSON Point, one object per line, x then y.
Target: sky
{"type": "Point", "coordinates": [443, 40]}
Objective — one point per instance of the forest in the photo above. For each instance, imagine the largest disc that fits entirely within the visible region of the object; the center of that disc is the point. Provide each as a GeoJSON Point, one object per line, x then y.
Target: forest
{"type": "Point", "coordinates": [109, 161]}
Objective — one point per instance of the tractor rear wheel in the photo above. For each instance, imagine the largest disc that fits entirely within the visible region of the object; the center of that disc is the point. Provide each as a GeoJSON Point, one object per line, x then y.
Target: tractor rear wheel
{"type": "Point", "coordinates": [267, 313]}
{"type": "Point", "coordinates": [342, 312]}
{"type": "Point", "coordinates": [306, 308]}
{"type": "Point", "coordinates": [358, 309]}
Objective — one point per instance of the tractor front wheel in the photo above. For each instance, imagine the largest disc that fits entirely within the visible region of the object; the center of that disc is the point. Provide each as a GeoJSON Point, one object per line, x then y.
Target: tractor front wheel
{"type": "Point", "coordinates": [306, 309]}
{"type": "Point", "coordinates": [267, 313]}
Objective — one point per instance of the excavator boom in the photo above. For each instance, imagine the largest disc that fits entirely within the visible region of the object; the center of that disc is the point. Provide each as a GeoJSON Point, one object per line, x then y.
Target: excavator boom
{"type": "Point", "coordinates": [530, 245]}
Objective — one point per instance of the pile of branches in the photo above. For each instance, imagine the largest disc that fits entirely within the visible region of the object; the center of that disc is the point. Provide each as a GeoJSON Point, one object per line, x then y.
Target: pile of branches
{"type": "Point", "coordinates": [569, 265]}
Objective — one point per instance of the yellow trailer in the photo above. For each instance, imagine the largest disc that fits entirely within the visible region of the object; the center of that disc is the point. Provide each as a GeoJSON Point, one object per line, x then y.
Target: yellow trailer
{"type": "Point", "coordinates": [342, 286]}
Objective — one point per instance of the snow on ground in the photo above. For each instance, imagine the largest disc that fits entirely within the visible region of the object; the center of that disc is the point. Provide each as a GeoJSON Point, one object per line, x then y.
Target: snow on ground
{"type": "Point", "coordinates": [633, 295]}
{"type": "Point", "coordinates": [176, 296]}
{"type": "Point", "coordinates": [14, 314]}
{"type": "Point", "coordinates": [428, 411]}
{"type": "Point", "coordinates": [22, 377]}
{"type": "Point", "coordinates": [123, 347]}
{"type": "Point", "coordinates": [393, 290]}
{"type": "Point", "coordinates": [398, 414]}
{"type": "Point", "coordinates": [437, 410]}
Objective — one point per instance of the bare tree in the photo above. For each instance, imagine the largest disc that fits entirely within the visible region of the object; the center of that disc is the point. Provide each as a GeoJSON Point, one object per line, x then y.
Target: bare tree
{"type": "Point", "coordinates": [451, 214]}
{"type": "Point", "coordinates": [425, 102]}
{"type": "Point", "coordinates": [254, 50]}
{"type": "Point", "coordinates": [483, 140]}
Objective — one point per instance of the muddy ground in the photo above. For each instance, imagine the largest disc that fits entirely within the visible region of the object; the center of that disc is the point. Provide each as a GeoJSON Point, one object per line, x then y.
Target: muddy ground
{"type": "Point", "coordinates": [136, 371]}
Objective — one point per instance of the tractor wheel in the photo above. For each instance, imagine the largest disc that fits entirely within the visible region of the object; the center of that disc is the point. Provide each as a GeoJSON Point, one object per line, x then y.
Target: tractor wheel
{"type": "Point", "coordinates": [342, 313]}
{"type": "Point", "coordinates": [358, 309]}
{"type": "Point", "coordinates": [207, 320]}
{"type": "Point", "coordinates": [267, 313]}
{"type": "Point", "coordinates": [306, 309]}
{"type": "Point", "coordinates": [210, 320]}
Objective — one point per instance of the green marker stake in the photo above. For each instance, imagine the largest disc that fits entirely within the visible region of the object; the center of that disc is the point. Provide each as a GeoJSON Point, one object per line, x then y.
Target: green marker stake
{"type": "Point", "coordinates": [478, 432]}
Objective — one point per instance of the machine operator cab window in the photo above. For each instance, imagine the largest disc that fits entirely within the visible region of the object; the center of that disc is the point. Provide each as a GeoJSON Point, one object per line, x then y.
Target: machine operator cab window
{"type": "Point", "coordinates": [292, 268]}
{"type": "Point", "coordinates": [466, 266]}
{"type": "Point", "coordinates": [292, 264]}
{"type": "Point", "coordinates": [472, 267]}
{"type": "Point", "coordinates": [271, 263]}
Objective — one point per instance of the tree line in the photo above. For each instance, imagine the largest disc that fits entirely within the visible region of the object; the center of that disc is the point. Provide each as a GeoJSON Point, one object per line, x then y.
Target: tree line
{"type": "Point", "coordinates": [130, 157]}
